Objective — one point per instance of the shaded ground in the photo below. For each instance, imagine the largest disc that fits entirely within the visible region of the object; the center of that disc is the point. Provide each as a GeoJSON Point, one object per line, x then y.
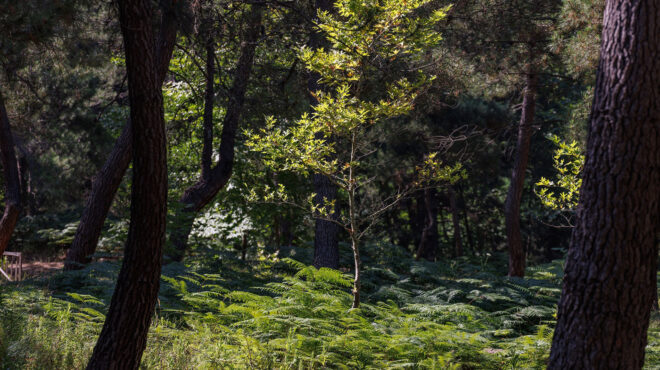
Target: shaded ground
{"type": "Point", "coordinates": [34, 268]}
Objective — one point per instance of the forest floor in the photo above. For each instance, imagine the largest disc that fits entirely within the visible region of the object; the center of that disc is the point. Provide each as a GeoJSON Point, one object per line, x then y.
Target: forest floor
{"type": "Point", "coordinates": [274, 311]}
{"type": "Point", "coordinates": [39, 268]}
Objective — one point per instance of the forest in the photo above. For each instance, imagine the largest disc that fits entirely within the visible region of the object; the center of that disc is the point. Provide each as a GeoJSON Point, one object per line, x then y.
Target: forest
{"type": "Point", "coordinates": [329, 184]}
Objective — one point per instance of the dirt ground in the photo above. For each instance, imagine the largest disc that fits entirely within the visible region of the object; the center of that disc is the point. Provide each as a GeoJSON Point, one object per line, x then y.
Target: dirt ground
{"type": "Point", "coordinates": [32, 268]}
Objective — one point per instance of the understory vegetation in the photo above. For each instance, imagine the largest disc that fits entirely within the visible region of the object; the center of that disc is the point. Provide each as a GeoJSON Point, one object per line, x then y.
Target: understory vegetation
{"type": "Point", "coordinates": [276, 311]}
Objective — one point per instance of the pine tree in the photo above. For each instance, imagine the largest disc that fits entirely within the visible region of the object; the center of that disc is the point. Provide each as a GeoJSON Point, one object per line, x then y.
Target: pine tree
{"type": "Point", "coordinates": [124, 334]}
{"type": "Point", "coordinates": [610, 275]}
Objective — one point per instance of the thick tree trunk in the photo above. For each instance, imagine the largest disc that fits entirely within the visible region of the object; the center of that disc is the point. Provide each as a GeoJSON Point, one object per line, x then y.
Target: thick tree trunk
{"type": "Point", "coordinates": [11, 177]}
{"type": "Point", "coordinates": [610, 276]}
{"type": "Point", "coordinates": [458, 241]}
{"type": "Point", "coordinates": [107, 181]}
{"type": "Point", "coordinates": [514, 196]}
{"type": "Point", "coordinates": [124, 334]}
{"type": "Point", "coordinates": [428, 245]}
{"type": "Point", "coordinates": [326, 242]}
{"type": "Point", "coordinates": [207, 187]}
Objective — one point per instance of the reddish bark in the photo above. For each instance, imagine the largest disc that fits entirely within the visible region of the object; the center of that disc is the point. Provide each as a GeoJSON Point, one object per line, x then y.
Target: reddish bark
{"type": "Point", "coordinates": [610, 275]}
{"type": "Point", "coordinates": [12, 180]}
{"type": "Point", "coordinates": [514, 196]}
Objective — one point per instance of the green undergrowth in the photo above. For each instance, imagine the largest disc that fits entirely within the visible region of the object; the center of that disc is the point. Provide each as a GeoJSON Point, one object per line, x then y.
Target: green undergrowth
{"type": "Point", "coordinates": [276, 312]}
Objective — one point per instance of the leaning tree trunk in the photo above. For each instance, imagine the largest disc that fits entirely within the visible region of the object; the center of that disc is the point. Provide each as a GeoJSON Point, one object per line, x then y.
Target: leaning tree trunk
{"type": "Point", "coordinates": [104, 187]}
{"type": "Point", "coordinates": [124, 334]}
{"type": "Point", "coordinates": [326, 242]}
{"type": "Point", "coordinates": [214, 179]}
{"type": "Point", "coordinates": [12, 180]}
{"type": "Point", "coordinates": [610, 274]}
{"type": "Point", "coordinates": [109, 178]}
{"type": "Point", "coordinates": [514, 196]}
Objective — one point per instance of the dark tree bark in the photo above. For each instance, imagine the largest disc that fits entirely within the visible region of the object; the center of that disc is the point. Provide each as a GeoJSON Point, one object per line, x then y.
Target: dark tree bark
{"type": "Point", "coordinates": [285, 234]}
{"type": "Point", "coordinates": [207, 147]}
{"type": "Point", "coordinates": [109, 178]}
{"type": "Point", "coordinates": [11, 177]}
{"type": "Point", "coordinates": [326, 242]}
{"type": "Point", "coordinates": [466, 221]}
{"type": "Point", "coordinates": [514, 196]}
{"type": "Point", "coordinates": [104, 187]}
{"type": "Point", "coordinates": [207, 187]}
{"type": "Point", "coordinates": [24, 179]}
{"type": "Point", "coordinates": [458, 241]}
{"type": "Point", "coordinates": [610, 275]}
{"type": "Point", "coordinates": [428, 246]}
{"type": "Point", "coordinates": [25, 167]}
{"type": "Point", "coordinates": [124, 334]}
{"type": "Point", "coordinates": [418, 218]}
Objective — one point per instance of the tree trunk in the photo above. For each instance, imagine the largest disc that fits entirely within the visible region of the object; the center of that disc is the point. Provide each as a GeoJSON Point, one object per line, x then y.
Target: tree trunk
{"type": "Point", "coordinates": [428, 246]}
{"type": "Point", "coordinates": [104, 187]}
{"type": "Point", "coordinates": [25, 168]}
{"type": "Point", "coordinates": [244, 246]}
{"type": "Point", "coordinates": [206, 188]}
{"type": "Point", "coordinates": [415, 218]}
{"type": "Point", "coordinates": [356, 276]}
{"type": "Point", "coordinates": [418, 219]}
{"type": "Point", "coordinates": [124, 334]}
{"type": "Point", "coordinates": [326, 242]}
{"type": "Point", "coordinates": [458, 241]}
{"type": "Point", "coordinates": [514, 196]}
{"type": "Point", "coordinates": [466, 221]}
{"type": "Point", "coordinates": [441, 214]}
{"type": "Point", "coordinates": [12, 180]}
{"type": "Point", "coordinates": [610, 275]}
{"type": "Point", "coordinates": [207, 147]}
{"type": "Point", "coordinates": [107, 181]}
{"type": "Point", "coordinates": [24, 182]}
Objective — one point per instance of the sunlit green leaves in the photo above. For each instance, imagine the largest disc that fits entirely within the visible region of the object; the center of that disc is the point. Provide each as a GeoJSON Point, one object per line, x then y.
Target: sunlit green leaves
{"type": "Point", "coordinates": [433, 170]}
{"type": "Point", "coordinates": [366, 34]}
{"type": "Point", "coordinates": [563, 193]}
